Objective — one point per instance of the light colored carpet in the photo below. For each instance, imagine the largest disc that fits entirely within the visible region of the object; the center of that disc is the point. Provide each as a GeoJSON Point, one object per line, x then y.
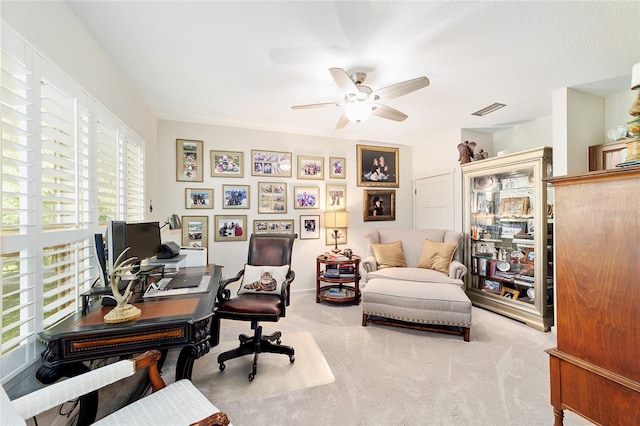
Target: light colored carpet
{"type": "Point", "coordinates": [275, 374]}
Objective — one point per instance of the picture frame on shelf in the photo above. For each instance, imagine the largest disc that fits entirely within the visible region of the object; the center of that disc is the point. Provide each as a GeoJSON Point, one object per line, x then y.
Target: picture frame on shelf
{"type": "Point", "coordinates": [513, 206]}
{"type": "Point", "coordinates": [529, 256]}
{"type": "Point", "coordinates": [230, 228]}
{"type": "Point", "coordinates": [492, 285]}
{"type": "Point", "coordinates": [236, 196]}
{"type": "Point", "coordinates": [282, 226]}
{"type": "Point", "coordinates": [378, 205]}
{"type": "Point", "coordinates": [337, 168]}
{"type": "Point", "coordinates": [329, 236]}
{"type": "Point", "coordinates": [271, 163]}
{"type": "Point", "coordinates": [336, 198]}
{"type": "Point", "coordinates": [197, 198]}
{"type": "Point", "coordinates": [306, 197]}
{"type": "Point", "coordinates": [272, 197]}
{"type": "Point", "coordinates": [509, 293]}
{"type": "Point", "coordinates": [227, 164]}
{"type": "Point", "coordinates": [189, 160]}
{"type": "Point", "coordinates": [310, 167]}
{"type": "Point", "coordinates": [378, 166]}
{"type": "Point", "coordinates": [309, 227]}
{"type": "Point", "coordinates": [195, 231]}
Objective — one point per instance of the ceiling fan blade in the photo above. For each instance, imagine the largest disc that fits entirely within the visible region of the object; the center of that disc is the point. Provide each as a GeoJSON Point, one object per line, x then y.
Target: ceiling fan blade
{"type": "Point", "coordinates": [388, 112]}
{"type": "Point", "coordinates": [322, 105]}
{"type": "Point", "coordinates": [343, 121]}
{"type": "Point", "coordinates": [343, 80]}
{"type": "Point", "coordinates": [401, 88]}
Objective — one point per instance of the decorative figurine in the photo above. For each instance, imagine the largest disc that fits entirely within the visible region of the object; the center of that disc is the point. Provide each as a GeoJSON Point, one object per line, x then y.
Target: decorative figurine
{"type": "Point", "coordinates": [123, 311]}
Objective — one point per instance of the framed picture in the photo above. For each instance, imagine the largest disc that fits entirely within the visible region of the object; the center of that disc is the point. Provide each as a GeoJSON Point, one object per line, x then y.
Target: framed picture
{"type": "Point", "coordinates": [306, 197]}
{"type": "Point", "coordinates": [284, 226]}
{"type": "Point", "coordinates": [342, 236]}
{"type": "Point", "coordinates": [529, 256]}
{"type": "Point", "coordinates": [337, 168]}
{"type": "Point", "coordinates": [196, 198]}
{"type": "Point", "coordinates": [492, 285]}
{"type": "Point", "coordinates": [509, 293]}
{"type": "Point", "coordinates": [272, 197]}
{"type": "Point", "coordinates": [310, 167]}
{"type": "Point", "coordinates": [227, 164]}
{"type": "Point", "coordinates": [378, 166]}
{"type": "Point", "coordinates": [309, 227]}
{"type": "Point", "coordinates": [195, 231]}
{"type": "Point", "coordinates": [270, 163]}
{"type": "Point", "coordinates": [189, 160]}
{"type": "Point", "coordinates": [235, 196]}
{"type": "Point", "coordinates": [336, 197]}
{"type": "Point", "coordinates": [230, 228]}
{"type": "Point", "coordinates": [514, 206]}
{"type": "Point", "coordinates": [379, 205]}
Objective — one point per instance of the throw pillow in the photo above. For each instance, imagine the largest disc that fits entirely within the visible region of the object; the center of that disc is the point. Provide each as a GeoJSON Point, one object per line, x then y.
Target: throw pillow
{"type": "Point", "coordinates": [437, 256]}
{"type": "Point", "coordinates": [263, 279]}
{"type": "Point", "coordinates": [389, 255]}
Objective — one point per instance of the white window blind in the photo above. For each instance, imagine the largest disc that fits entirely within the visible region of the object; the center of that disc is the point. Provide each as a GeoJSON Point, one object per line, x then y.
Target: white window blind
{"type": "Point", "coordinates": [67, 168]}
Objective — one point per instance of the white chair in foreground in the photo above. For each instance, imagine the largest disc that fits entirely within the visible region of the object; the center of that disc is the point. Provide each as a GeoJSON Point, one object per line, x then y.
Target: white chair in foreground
{"type": "Point", "coordinates": [180, 403]}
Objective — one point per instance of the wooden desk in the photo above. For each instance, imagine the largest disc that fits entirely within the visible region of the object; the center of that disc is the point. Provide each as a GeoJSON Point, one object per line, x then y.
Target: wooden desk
{"type": "Point", "coordinates": [167, 322]}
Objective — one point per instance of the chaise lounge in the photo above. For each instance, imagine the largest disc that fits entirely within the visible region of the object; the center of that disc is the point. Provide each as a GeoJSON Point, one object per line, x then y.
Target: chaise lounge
{"type": "Point", "coordinates": [413, 279]}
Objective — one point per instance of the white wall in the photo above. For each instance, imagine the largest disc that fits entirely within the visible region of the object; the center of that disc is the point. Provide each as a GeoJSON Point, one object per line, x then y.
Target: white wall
{"type": "Point", "coordinates": [529, 135]}
{"type": "Point", "coordinates": [232, 255]}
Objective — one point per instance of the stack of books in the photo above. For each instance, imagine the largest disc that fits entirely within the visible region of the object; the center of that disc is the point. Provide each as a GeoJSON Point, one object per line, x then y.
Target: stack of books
{"type": "Point", "coordinates": [336, 256]}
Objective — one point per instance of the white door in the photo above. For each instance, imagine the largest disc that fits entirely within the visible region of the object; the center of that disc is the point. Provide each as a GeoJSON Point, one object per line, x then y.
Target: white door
{"type": "Point", "coordinates": [434, 202]}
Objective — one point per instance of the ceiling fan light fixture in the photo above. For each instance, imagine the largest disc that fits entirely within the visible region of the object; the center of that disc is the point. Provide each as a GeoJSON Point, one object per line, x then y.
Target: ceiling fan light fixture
{"type": "Point", "coordinates": [489, 109]}
{"type": "Point", "coordinates": [357, 111]}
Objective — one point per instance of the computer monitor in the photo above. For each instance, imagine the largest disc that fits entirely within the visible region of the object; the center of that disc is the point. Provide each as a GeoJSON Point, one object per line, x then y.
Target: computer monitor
{"type": "Point", "coordinates": [143, 240]}
{"type": "Point", "coordinates": [116, 240]}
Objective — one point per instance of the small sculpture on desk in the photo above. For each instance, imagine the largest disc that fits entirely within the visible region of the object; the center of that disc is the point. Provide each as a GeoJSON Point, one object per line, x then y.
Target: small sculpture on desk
{"type": "Point", "coordinates": [123, 311]}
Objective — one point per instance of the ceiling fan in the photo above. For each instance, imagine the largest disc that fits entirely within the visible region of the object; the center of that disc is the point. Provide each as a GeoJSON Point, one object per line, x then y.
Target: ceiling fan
{"type": "Point", "coordinates": [360, 101]}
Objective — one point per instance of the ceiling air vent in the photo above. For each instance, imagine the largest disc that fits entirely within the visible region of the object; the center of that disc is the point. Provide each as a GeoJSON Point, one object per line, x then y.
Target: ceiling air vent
{"type": "Point", "coordinates": [489, 109]}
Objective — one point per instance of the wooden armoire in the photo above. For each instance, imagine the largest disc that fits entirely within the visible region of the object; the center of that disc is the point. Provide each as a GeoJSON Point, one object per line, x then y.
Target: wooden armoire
{"type": "Point", "coordinates": [595, 369]}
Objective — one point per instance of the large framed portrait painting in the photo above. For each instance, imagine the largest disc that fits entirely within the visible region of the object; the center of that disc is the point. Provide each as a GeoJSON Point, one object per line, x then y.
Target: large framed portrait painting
{"type": "Point", "coordinates": [378, 166]}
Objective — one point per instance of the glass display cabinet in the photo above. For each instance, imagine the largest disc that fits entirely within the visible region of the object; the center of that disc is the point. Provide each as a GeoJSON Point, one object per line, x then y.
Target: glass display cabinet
{"type": "Point", "coordinates": [509, 248]}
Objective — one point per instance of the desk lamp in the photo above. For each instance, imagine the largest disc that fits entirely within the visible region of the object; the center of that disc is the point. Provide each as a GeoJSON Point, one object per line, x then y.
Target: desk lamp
{"type": "Point", "coordinates": [173, 221]}
{"type": "Point", "coordinates": [336, 220]}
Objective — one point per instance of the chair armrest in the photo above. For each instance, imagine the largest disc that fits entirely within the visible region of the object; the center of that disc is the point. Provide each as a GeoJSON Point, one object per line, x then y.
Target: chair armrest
{"type": "Point", "coordinates": [224, 294]}
{"type": "Point", "coordinates": [216, 419]}
{"type": "Point", "coordinates": [58, 393]}
{"type": "Point", "coordinates": [369, 264]}
{"type": "Point", "coordinates": [457, 270]}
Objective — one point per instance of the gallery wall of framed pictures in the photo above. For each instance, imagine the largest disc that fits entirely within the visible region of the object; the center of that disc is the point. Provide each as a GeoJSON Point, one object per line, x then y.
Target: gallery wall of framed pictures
{"type": "Point", "coordinates": [317, 184]}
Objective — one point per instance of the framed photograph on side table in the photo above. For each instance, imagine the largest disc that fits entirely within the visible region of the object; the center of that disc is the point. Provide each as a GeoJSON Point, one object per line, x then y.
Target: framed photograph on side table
{"type": "Point", "coordinates": [198, 198]}
{"type": "Point", "coordinates": [309, 227]}
{"type": "Point", "coordinates": [378, 166]}
{"type": "Point", "coordinates": [306, 197]}
{"type": "Point", "coordinates": [337, 168]}
{"type": "Point", "coordinates": [272, 197]}
{"type": "Point", "coordinates": [189, 160]}
{"type": "Point", "coordinates": [271, 163]}
{"type": "Point", "coordinates": [336, 197]}
{"type": "Point", "coordinates": [195, 231]}
{"type": "Point", "coordinates": [227, 164]}
{"type": "Point", "coordinates": [310, 167]}
{"type": "Point", "coordinates": [379, 205]}
{"type": "Point", "coordinates": [236, 196]}
{"type": "Point", "coordinates": [230, 228]}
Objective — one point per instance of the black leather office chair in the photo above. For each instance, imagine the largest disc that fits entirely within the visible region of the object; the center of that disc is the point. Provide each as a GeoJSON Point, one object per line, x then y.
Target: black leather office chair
{"type": "Point", "coordinates": [259, 299]}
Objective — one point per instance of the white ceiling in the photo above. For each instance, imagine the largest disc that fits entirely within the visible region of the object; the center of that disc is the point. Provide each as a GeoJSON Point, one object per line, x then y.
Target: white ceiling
{"type": "Point", "coordinates": [242, 63]}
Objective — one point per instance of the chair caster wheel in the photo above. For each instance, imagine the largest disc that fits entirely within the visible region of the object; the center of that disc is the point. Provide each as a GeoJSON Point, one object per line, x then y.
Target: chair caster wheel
{"type": "Point", "coordinates": [251, 377]}
{"type": "Point", "coordinates": [222, 367]}
{"type": "Point", "coordinates": [292, 358]}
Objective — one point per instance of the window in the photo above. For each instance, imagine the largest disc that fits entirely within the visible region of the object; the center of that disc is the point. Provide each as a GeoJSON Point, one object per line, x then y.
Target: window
{"type": "Point", "coordinates": [68, 166]}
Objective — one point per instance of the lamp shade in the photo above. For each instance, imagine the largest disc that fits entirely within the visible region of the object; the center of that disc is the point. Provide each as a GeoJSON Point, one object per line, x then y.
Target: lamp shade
{"type": "Point", "coordinates": [174, 222]}
{"type": "Point", "coordinates": [336, 219]}
{"type": "Point", "coordinates": [635, 77]}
